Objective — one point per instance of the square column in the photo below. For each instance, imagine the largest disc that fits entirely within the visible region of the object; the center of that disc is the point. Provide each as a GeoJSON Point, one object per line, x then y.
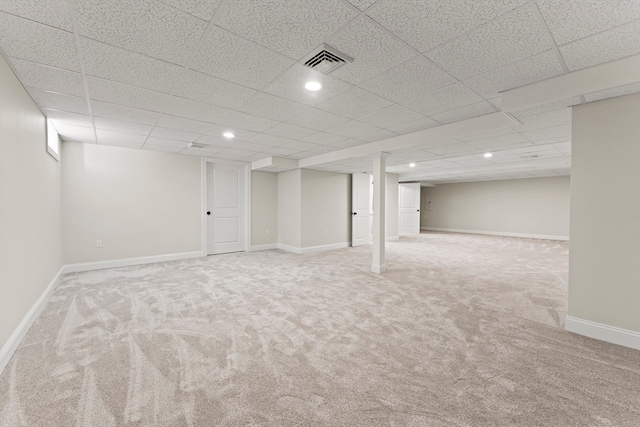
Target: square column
{"type": "Point", "coordinates": [378, 227]}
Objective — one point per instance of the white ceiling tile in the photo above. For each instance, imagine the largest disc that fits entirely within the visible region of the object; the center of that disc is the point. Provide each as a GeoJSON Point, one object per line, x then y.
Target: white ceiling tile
{"type": "Point", "coordinates": [174, 134]}
{"type": "Point", "coordinates": [544, 120]}
{"type": "Point", "coordinates": [195, 110]}
{"type": "Point", "coordinates": [197, 152]}
{"type": "Point", "coordinates": [111, 137]}
{"type": "Point", "coordinates": [166, 142]}
{"type": "Point", "coordinates": [212, 90]}
{"type": "Point", "coordinates": [445, 99]}
{"type": "Point", "coordinates": [25, 39]}
{"type": "Point", "coordinates": [215, 141]}
{"type": "Point", "coordinates": [610, 93]}
{"type": "Point", "coordinates": [302, 146]}
{"type": "Point", "coordinates": [240, 134]}
{"type": "Point", "coordinates": [510, 38]}
{"type": "Point", "coordinates": [426, 24]}
{"type": "Point", "coordinates": [119, 112]}
{"type": "Point", "coordinates": [129, 96]}
{"type": "Point", "coordinates": [271, 140]}
{"type": "Point", "coordinates": [203, 9]}
{"type": "Point", "coordinates": [272, 107]}
{"type": "Point", "coordinates": [287, 130]}
{"type": "Point", "coordinates": [374, 50]}
{"type": "Point", "coordinates": [236, 153]}
{"type": "Point", "coordinates": [57, 101]}
{"type": "Point", "coordinates": [563, 131]}
{"type": "Point", "coordinates": [487, 135]}
{"type": "Point", "coordinates": [362, 4]}
{"type": "Point", "coordinates": [292, 28]}
{"type": "Point", "coordinates": [354, 103]}
{"type": "Point", "coordinates": [69, 132]}
{"type": "Point", "coordinates": [603, 47]}
{"type": "Point", "coordinates": [545, 108]}
{"type": "Point", "coordinates": [251, 146]}
{"type": "Point", "coordinates": [121, 126]}
{"type": "Point", "coordinates": [121, 143]}
{"type": "Point", "coordinates": [572, 20]}
{"type": "Point", "coordinates": [466, 112]}
{"type": "Point", "coordinates": [347, 143]}
{"type": "Point", "coordinates": [233, 58]}
{"type": "Point", "coordinates": [280, 151]}
{"type": "Point", "coordinates": [391, 116]}
{"type": "Point", "coordinates": [50, 78]}
{"type": "Point", "coordinates": [290, 85]}
{"type": "Point", "coordinates": [323, 138]}
{"type": "Point", "coordinates": [50, 12]}
{"type": "Point", "coordinates": [69, 118]}
{"type": "Point", "coordinates": [187, 125]}
{"type": "Point", "coordinates": [414, 126]}
{"type": "Point", "coordinates": [356, 130]}
{"type": "Point", "coordinates": [412, 78]}
{"type": "Point", "coordinates": [314, 118]}
{"type": "Point", "coordinates": [520, 73]}
{"type": "Point", "coordinates": [161, 148]}
{"type": "Point", "coordinates": [238, 120]}
{"type": "Point", "coordinates": [552, 140]}
{"type": "Point", "coordinates": [498, 141]}
{"type": "Point", "coordinates": [452, 149]}
{"type": "Point", "coordinates": [144, 26]}
{"type": "Point", "coordinates": [427, 146]}
{"type": "Point", "coordinates": [112, 63]}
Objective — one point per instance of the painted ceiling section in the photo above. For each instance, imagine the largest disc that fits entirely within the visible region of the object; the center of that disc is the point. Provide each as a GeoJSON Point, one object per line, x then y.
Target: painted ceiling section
{"type": "Point", "coordinates": [158, 75]}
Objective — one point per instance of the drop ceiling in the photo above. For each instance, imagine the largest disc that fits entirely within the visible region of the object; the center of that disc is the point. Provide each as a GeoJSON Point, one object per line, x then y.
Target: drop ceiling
{"type": "Point", "coordinates": [158, 75]}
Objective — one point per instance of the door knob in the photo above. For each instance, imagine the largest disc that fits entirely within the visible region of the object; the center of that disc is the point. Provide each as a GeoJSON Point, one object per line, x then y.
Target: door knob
{"type": "Point", "coordinates": [418, 210]}
{"type": "Point", "coordinates": [355, 213]}
{"type": "Point", "coordinates": [208, 212]}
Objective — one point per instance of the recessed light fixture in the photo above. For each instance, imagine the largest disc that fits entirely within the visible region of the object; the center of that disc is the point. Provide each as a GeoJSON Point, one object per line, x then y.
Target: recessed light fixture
{"type": "Point", "coordinates": [412, 165]}
{"type": "Point", "coordinates": [228, 135]}
{"type": "Point", "coordinates": [488, 155]}
{"type": "Point", "coordinates": [313, 86]}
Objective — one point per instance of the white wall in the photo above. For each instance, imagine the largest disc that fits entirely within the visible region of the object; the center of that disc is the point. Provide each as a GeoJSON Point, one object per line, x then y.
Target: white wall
{"type": "Point", "coordinates": [30, 210]}
{"type": "Point", "coordinates": [139, 203]}
{"type": "Point", "coordinates": [535, 207]}
{"type": "Point", "coordinates": [290, 208]}
{"type": "Point", "coordinates": [391, 200]}
{"type": "Point", "coordinates": [264, 208]}
{"type": "Point", "coordinates": [326, 208]}
{"type": "Point", "coordinates": [604, 261]}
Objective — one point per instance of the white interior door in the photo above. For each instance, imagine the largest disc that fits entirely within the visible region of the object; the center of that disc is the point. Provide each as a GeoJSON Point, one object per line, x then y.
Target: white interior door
{"type": "Point", "coordinates": [409, 205]}
{"type": "Point", "coordinates": [225, 208]}
{"type": "Point", "coordinates": [360, 187]}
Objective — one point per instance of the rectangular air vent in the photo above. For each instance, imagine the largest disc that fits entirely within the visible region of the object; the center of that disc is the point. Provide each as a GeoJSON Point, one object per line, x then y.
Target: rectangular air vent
{"type": "Point", "coordinates": [196, 145]}
{"type": "Point", "coordinates": [326, 59]}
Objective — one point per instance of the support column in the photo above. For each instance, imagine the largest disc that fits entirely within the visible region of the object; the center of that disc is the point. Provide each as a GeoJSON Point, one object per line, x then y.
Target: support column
{"type": "Point", "coordinates": [379, 185]}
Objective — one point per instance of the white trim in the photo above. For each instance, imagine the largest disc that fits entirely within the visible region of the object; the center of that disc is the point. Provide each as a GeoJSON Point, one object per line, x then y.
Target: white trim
{"type": "Point", "coordinates": [321, 248]}
{"type": "Point", "coordinates": [602, 332]}
{"type": "Point", "coordinates": [264, 247]}
{"type": "Point", "coordinates": [126, 262]}
{"type": "Point", "coordinates": [378, 268]}
{"type": "Point", "coordinates": [393, 238]}
{"type": "Point", "coordinates": [247, 213]}
{"type": "Point", "coordinates": [10, 347]}
{"type": "Point", "coordinates": [497, 233]}
{"type": "Point", "coordinates": [288, 248]}
{"type": "Point", "coordinates": [203, 203]}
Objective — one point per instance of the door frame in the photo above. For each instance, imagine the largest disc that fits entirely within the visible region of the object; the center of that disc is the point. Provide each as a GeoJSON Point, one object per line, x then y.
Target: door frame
{"type": "Point", "coordinates": [203, 200]}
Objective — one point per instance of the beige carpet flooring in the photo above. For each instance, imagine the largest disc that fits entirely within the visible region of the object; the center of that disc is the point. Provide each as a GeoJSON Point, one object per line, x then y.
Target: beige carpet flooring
{"type": "Point", "coordinates": [462, 330]}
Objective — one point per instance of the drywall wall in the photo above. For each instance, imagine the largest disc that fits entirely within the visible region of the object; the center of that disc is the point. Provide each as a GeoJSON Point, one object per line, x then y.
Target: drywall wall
{"type": "Point", "coordinates": [138, 203]}
{"type": "Point", "coordinates": [535, 207]}
{"type": "Point", "coordinates": [264, 208]}
{"type": "Point", "coordinates": [391, 200]}
{"type": "Point", "coordinates": [289, 208]}
{"type": "Point", "coordinates": [604, 261]}
{"type": "Point", "coordinates": [326, 208]}
{"type": "Point", "coordinates": [30, 210]}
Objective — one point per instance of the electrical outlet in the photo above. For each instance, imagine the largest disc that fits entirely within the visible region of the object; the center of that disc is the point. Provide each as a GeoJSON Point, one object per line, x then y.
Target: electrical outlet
{"type": "Point", "coordinates": [98, 243]}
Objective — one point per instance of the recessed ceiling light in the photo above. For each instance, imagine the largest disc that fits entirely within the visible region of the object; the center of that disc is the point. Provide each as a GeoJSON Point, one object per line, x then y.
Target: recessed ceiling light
{"type": "Point", "coordinates": [488, 155]}
{"type": "Point", "coordinates": [412, 165]}
{"type": "Point", "coordinates": [313, 86]}
{"type": "Point", "coordinates": [228, 135]}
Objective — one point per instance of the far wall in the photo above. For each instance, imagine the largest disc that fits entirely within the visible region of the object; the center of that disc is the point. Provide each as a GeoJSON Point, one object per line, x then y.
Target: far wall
{"type": "Point", "coordinates": [534, 207]}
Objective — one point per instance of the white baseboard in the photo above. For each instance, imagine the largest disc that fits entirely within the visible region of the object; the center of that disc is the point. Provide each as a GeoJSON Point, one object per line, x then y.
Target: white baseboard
{"type": "Point", "coordinates": [497, 233]}
{"type": "Point", "coordinates": [393, 238]}
{"type": "Point", "coordinates": [10, 347]}
{"type": "Point", "coordinates": [264, 247]}
{"type": "Point", "coordinates": [378, 268]}
{"type": "Point", "coordinates": [600, 331]}
{"type": "Point", "coordinates": [312, 249]}
{"type": "Point", "coordinates": [126, 262]}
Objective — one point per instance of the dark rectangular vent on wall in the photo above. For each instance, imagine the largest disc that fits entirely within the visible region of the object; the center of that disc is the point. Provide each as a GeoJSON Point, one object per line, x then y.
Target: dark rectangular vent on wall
{"type": "Point", "coordinates": [326, 59]}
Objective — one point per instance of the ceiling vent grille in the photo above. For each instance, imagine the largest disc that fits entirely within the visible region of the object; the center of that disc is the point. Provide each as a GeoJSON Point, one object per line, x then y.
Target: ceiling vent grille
{"type": "Point", "coordinates": [196, 145]}
{"type": "Point", "coordinates": [326, 59]}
